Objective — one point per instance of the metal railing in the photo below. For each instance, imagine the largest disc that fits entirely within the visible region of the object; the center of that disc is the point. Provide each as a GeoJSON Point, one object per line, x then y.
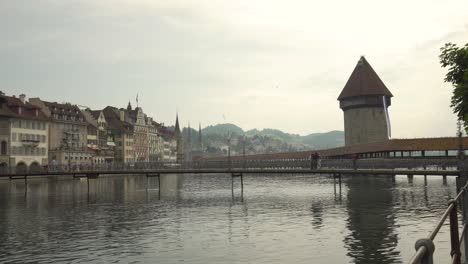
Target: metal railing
{"type": "Point", "coordinates": [425, 247]}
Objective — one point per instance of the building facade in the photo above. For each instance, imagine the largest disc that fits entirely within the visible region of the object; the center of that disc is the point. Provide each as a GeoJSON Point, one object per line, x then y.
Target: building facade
{"type": "Point", "coordinates": [365, 100]}
{"type": "Point", "coordinates": [23, 134]}
{"type": "Point", "coordinates": [140, 131]}
{"type": "Point", "coordinates": [169, 144]}
{"type": "Point", "coordinates": [155, 141]}
{"type": "Point", "coordinates": [67, 133]}
{"type": "Point", "coordinates": [100, 138]}
{"type": "Point", "coordinates": [121, 128]}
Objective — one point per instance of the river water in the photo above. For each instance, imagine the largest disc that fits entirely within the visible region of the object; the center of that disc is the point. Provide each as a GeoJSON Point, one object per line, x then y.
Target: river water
{"type": "Point", "coordinates": [198, 219]}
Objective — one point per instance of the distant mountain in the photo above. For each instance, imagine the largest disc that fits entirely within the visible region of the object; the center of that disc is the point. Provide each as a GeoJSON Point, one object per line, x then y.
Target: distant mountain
{"type": "Point", "coordinates": [216, 139]}
{"type": "Point", "coordinates": [330, 139]}
{"type": "Point", "coordinates": [223, 129]}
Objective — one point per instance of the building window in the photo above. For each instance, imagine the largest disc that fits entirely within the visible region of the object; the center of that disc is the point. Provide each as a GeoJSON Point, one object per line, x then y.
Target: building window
{"type": "Point", "coordinates": [3, 148]}
{"type": "Point", "coordinates": [43, 138]}
{"type": "Point", "coordinates": [13, 137]}
{"type": "Point", "coordinates": [43, 151]}
{"type": "Point", "coordinates": [33, 125]}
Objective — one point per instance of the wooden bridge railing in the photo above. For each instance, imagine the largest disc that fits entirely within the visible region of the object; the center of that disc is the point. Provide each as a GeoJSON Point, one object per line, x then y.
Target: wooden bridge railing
{"type": "Point", "coordinates": [421, 164]}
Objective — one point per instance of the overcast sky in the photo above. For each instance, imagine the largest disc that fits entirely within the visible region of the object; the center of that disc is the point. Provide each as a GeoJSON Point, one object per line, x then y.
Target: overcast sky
{"type": "Point", "coordinates": [258, 63]}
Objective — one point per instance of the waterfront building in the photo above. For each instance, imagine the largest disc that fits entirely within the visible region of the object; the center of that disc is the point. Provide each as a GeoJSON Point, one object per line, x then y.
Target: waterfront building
{"type": "Point", "coordinates": [24, 134]}
{"type": "Point", "coordinates": [121, 128]}
{"type": "Point", "coordinates": [365, 100]}
{"type": "Point", "coordinates": [140, 131]}
{"type": "Point", "coordinates": [169, 144]}
{"type": "Point", "coordinates": [155, 141]}
{"type": "Point", "coordinates": [67, 133]}
{"type": "Point", "coordinates": [100, 138]}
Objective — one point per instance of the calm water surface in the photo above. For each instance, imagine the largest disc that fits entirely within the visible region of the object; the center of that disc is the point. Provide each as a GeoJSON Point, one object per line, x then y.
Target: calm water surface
{"type": "Point", "coordinates": [197, 219]}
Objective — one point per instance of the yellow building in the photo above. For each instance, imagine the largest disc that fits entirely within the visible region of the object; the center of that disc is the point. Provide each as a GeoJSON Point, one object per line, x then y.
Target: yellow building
{"type": "Point", "coordinates": [119, 123]}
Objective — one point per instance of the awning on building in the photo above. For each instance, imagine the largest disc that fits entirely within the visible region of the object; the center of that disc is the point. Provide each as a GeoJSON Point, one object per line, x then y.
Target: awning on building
{"type": "Point", "coordinates": [94, 147]}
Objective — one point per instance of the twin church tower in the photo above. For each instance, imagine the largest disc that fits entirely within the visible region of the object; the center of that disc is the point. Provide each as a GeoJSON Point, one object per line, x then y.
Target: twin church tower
{"type": "Point", "coordinates": [365, 100]}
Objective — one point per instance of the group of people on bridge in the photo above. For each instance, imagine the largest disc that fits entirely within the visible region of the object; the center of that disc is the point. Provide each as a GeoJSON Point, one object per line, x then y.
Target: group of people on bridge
{"type": "Point", "coordinates": [315, 161]}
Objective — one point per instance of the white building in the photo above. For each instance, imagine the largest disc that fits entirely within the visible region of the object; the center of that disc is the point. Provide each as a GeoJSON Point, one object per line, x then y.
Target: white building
{"type": "Point", "coordinates": [23, 134]}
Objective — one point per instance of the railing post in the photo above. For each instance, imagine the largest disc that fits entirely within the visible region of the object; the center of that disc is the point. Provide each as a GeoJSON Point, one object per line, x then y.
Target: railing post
{"type": "Point", "coordinates": [463, 180]}
{"type": "Point", "coordinates": [430, 247]}
{"type": "Point", "coordinates": [454, 237]}
{"type": "Point", "coordinates": [465, 222]}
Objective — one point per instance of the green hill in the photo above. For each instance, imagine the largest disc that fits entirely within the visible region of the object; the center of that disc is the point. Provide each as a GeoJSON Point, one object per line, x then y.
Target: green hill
{"type": "Point", "coordinates": [216, 139]}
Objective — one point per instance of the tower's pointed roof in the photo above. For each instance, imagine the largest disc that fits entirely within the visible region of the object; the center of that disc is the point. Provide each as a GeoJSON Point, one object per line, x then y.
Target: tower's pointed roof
{"type": "Point", "coordinates": [364, 81]}
{"type": "Point", "coordinates": [177, 128]}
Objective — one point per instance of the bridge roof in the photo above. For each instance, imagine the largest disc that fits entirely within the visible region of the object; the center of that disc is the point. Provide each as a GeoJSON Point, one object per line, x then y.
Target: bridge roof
{"type": "Point", "coordinates": [364, 81]}
{"type": "Point", "coordinates": [414, 144]}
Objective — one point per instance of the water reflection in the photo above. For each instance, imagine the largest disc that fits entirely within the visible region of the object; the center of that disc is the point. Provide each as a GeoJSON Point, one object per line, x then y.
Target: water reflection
{"type": "Point", "coordinates": [195, 219]}
{"type": "Point", "coordinates": [371, 222]}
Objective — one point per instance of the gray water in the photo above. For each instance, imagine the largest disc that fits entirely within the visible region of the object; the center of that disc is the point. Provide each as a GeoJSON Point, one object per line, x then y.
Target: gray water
{"type": "Point", "coordinates": [198, 219]}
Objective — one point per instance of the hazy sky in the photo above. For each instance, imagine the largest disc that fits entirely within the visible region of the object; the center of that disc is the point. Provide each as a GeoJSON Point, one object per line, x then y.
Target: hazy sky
{"type": "Point", "coordinates": [260, 63]}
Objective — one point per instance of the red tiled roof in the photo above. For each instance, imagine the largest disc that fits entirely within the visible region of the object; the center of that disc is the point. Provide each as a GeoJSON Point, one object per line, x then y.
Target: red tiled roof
{"type": "Point", "coordinates": [9, 107]}
{"type": "Point", "coordinates": [364, 81]}
{"type": "Point", "coordinates": [112, 116]}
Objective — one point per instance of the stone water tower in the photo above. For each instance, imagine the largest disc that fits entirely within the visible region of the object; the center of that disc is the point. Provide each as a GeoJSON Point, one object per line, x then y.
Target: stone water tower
{"type": "Point", "coordinates": [365, 100]}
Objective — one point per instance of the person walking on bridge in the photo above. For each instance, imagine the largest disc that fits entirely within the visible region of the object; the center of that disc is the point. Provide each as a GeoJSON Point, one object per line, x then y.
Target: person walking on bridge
{"type": "Point", "coordinates": [355, 157]}
{"type": "Point", "coordinates": [319, 160]}
{"type": "Point", "coordinates": [313, 161]}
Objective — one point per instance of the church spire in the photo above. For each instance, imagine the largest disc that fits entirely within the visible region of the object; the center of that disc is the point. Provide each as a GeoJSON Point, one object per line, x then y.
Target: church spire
{"type": "Point", "coordinates": [177, 128]}
{"type": "Point", "coordinates": [129, 106]}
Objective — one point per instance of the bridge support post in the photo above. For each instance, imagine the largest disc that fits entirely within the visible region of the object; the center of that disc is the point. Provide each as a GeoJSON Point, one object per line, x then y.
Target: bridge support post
{"type": "Point", "coordinates": [410, 178]}
{"type": "Point", "coordinates": [159, 182]}
{"type": "Point", "coordinates": [241, 176]}
{"type": "Point", "coordinates": [444, 180]}
{"type": "Point", "coordinates": [339, 182]}
{"type": "Point", "coordinates": [25, 185]}
{"type": "Point", "coordinates": [425, 180]}
{"type": "Point", "coordinates": [242, 184]}
{"type": "Point", "coordinates": [334, 184]}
